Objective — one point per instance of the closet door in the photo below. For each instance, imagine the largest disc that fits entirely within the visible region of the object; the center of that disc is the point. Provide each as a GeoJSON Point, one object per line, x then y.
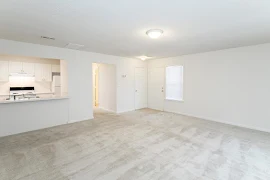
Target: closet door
{"type": "Point", "coordinates": [140, 88]}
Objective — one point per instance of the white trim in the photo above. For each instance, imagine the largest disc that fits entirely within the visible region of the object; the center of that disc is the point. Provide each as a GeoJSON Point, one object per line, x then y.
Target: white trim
{"type": "Point", "coordinates": [129, 110]}
{"type": "Point", "coordinates": [106, 109]}
{"type": "Point", "coordinates": [223, 122]}
{"type": "Point", "coordinates": [75, 121]}
{"type": "Point", "coordinates": [177, 100]}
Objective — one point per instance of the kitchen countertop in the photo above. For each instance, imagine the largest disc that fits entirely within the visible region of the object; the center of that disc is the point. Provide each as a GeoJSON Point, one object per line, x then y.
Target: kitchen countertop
{"type": "Point", "coordinates": [52, 97]}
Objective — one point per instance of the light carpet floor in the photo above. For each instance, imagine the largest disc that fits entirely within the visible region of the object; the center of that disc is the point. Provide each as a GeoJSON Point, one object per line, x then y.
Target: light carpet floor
{"type": "Point", "coordinates": [139, 145]}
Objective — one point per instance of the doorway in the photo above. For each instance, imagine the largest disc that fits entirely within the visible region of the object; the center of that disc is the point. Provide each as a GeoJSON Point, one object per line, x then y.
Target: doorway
{"type": "Point", "coordinates": [104, 87]}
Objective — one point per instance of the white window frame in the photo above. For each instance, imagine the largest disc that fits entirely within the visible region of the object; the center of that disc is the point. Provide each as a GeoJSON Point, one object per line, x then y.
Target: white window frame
{"type": "Point", "coordinates": [171, 99]}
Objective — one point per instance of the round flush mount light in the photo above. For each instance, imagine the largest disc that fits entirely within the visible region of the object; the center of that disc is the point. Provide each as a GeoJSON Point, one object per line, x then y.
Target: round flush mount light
{"type": "Point", "coordinates": [143, 58]}
{"type": "Point", "coordinates": [154, 33]}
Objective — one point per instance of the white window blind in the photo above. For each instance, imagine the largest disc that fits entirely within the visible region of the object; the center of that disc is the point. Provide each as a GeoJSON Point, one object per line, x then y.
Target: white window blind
{"type": "Point", "coordinates": [174, 83]}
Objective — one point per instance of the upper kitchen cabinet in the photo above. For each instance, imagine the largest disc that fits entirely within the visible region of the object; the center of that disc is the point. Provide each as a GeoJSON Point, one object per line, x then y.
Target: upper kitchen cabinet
{"type": "Point", "coordinates": [4, 75]}
{"type": "Point", "coordinates": [47, 72]}
{"type": "Point", "coordinates": [15, 67]}
{"type": "Point", "coordinates": [21, 67]}
{"type": "Point", "coordinates": [29, 68]}
{"type": "Point", "coordinates": [43, 72]}
{"type": "Point", "coordinates": [56, 68]}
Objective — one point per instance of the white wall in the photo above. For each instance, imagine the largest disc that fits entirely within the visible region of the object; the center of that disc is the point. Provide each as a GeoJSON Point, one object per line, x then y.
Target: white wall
{"type": "Point", "coordinates": [230, 86]}
{"type": "Point", "coordinates": [79, 72]}
{"type": "Point", "coordinates": [28, 116]}
{"type": "Point", "coordinates": [107, 87]}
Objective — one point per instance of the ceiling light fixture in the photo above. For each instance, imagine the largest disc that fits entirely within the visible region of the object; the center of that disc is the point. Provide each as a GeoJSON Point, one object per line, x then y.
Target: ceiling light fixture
{"type": "Point", "coordinates": [154, 33]}
{"type": "Point", "coordinates": [143, 58]}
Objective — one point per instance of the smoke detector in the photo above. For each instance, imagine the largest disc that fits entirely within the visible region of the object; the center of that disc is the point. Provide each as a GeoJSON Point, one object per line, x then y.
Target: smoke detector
{"type": "Point", "coordinates": [74, 46]}
{"type": "Point", "coordinates": [48, 38]}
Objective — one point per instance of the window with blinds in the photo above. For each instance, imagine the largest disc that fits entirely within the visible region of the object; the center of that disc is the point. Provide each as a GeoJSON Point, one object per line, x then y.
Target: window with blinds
{"type": "Point", "coordinates": [174, 83]}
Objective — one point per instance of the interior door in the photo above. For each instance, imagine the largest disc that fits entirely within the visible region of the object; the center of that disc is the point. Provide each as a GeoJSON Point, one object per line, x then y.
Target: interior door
{"type": "Point", "coordinates": [156, 88]}
{"type": "Point", "coordinates": [140, 88]}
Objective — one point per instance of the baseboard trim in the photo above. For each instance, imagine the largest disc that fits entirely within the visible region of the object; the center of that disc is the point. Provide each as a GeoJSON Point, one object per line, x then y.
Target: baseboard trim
{"type": "Point", "coordinates": [75, 121]}
{"type": "Point", "coordinates": [129, 110]}
{"type": "Point", "coordinates": [228, 123]}
{"type": "Point", "coordinates": [106, 109]}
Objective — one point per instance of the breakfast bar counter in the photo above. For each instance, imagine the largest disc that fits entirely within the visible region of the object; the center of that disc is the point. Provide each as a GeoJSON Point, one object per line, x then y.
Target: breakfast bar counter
{"type": "Point", "coordinates": [46, 98]}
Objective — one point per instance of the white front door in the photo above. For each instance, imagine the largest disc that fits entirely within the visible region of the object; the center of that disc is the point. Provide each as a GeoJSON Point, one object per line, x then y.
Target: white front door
{"type": "Point", "coordinates": [140, 88]}
{"type": "Point", "coordinates": [156, 88]}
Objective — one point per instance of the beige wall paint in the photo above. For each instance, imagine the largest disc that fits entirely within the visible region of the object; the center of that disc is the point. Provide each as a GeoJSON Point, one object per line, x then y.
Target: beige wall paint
{"type": "Point", "coordinates": [64, 77]}
{"type": "Point", "coordinates": [29, 59]}
{"type": "Point", "coordinates": [95, 84]}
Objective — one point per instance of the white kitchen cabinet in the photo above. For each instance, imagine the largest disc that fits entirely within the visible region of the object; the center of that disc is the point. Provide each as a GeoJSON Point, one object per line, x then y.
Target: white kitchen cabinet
{"type": "Point", "coordinates": [4, 71]}
{"type": "Point", "coordinates": [47, 72]}
{"type": "Point", "coordinates": [39, 72]}
{"type": "Point", "coordinates": [28, 68]}
{"type": "Point", "coordinates": [15, 67]}
{"type": "Point", "coordinates": [43, 72]}
{"type": "Point", "coordinates": [56, 68]}
{"type": "Point", "coordinates": [21, 67]}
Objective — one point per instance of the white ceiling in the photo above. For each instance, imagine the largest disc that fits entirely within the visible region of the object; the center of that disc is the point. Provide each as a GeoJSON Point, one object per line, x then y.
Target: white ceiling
{"type": "Point", "coordinates": [118, 27]}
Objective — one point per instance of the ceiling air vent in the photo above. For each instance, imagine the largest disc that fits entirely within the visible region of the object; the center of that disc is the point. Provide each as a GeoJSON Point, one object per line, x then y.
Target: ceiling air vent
{"type": "Point", "coordinates": [48, 38]}
{"type": "Point", "coordinates": [74, 46]}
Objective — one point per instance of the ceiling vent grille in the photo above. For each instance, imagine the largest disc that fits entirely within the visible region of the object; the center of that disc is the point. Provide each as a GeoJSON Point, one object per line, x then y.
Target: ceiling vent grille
{"type": "Point", "coordinates": [74, 46]}
{"type": "Point", "coordinates": [48, 38]}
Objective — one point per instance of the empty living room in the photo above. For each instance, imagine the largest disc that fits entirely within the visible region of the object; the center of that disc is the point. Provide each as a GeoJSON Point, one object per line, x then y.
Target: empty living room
{"type": "Point", "coordinates": [134, 90]}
